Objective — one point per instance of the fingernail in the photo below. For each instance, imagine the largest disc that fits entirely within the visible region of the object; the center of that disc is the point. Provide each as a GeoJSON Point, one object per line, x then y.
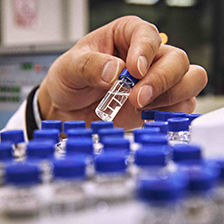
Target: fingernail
{"type": "Point", "coordinates": [110, 71]}
{"type": "Point", "coordinates": [144, 95]}
{"type": "Point", "coordinates": [142, 65]}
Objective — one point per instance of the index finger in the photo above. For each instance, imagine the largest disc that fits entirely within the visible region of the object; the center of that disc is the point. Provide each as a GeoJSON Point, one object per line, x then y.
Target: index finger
{"type": "Point", "coordinates": [138, 41]}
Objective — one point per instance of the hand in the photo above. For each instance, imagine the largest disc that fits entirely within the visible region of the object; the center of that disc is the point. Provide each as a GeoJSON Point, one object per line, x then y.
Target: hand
{"type": "Point", "coordinates": [79, 79]}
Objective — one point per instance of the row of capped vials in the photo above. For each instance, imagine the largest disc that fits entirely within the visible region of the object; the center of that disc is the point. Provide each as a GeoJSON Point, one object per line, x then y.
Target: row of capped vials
{"type": "Point", "coordinates": [103, 174]}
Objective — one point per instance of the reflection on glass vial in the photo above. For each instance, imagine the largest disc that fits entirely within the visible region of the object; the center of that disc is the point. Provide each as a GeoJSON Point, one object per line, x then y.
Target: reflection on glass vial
{"type": "Point", "coordinates": [116, 97]}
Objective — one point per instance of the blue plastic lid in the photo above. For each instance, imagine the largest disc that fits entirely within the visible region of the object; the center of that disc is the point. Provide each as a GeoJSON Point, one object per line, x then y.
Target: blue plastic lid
{"type": "Point", "coordinates": [138, 133]}
{"type": "Point", "coordinates": [219, 163]}
{"type": "Point", "coordinates": [47, 134]}
{"type": "Point", "coordinates": [154, 140]}
{"type": "Point", "coordinates": [79, 146]}
{"type": "Point", "coordinates": [178, 114]}
{"type": "Point", "coordinates": [52, 124]}
{"type": "Point", "coordinates": [110, 132]}
{"type": "Point", "coordinates": [162, 115]}
{"type": "Point", "coordinates": [178, 124]}
{"type": "Point", "coordinates": [40, 149]}
{"type": "Point", "coordinates": [116, 144]}
{"type": "Point", "coordinates": [110, 162]}
{"type": "Point", "coordinates": [201, 177]}
{"type": "Point", "coordinates": [148, 114]}
{"type": "Point", "coordinates": [153, 157]}
{"type": "Point", "coordinates": [183, 152]}
{"type": "Point", "coordinates": [97, 125]}
{"type": "Point", "coordinates": [158, 124]}
{"type": "Point", "coordinates": [191, 117]}
{"type": "Point", "coordinates": [14, 136]}
{"type": "Point", "coordinates": [73, 125]}
{"type": "Point", "coordinates": [6, 151]}
{"type": "Point", "coordinates": [22, 174]}
{"type": "Point", "coordinates": [69, 168]}
{"type": "Point", "coordinates": [127, 75]}
{"type": "Point", "coordinates": [79, 133]}
{"type": "Point", "coordinates": [162, 189]}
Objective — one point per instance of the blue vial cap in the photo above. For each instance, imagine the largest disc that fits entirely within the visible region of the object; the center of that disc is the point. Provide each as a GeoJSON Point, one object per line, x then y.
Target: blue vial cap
{"type": "Point", "coordinates": [22, 174]}
{"type": "Point", "coordinates": [201, 178]}
{"type": "Point", "coordinates": [178, 124]}
{"type": "Point", "coordinates": [128, 76]}
{"type": "Point", "coordinates": [158, 124]}
{"type": "Point", "coordinates": [154, 140]}
{"type": "Point", "coordinates": [116, 144]}
{"type": "Point", "coordinates": [110, 162]}
{"type": "Point", "coordinates": [219, 163]}
{"type": "Point", "coordinates": [191, 117]}
{"type": "Point", "coordinates": [52, 124]}
{"type": "Point", "coordinates": [40, 149]}
{"type": "Point", "coordinates": [183, 152]}
{"type": "Point", "coordinates": [13, 136]}
{"type": "Point", "coordinates": [47, 134]}
{"type": "Point", "coordinates": [79, 146]}
{"type": "Point", "coordinates": [79, 133]}
{"type": "Point", "coordinates": [6, 151]}
{"type": "Point", "coordinates": [110, 132]}
{"type": "Point", "coordinates": [153, 157]}
{"type": "Point", "coordinates": [178, 115]}
{"type": "Point", "coordinates": [162, 115]}
{"type": "Point", "coordinates": [148, 114]}
{"type": "Point", "coordinates": [97, 125]}
{"type": "Point", "coordinates": [73, 125]}
{"type": "Point", "coordinates": [69, 168]}
{"type": "Point", "coordinates": [162, 189]}
{"type": "Point", "coordinates": [138, 133]}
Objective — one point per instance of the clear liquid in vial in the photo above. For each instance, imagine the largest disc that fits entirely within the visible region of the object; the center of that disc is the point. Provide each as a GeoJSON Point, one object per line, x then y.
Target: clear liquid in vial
{"type": "Point", "coordinates": [112, 102]}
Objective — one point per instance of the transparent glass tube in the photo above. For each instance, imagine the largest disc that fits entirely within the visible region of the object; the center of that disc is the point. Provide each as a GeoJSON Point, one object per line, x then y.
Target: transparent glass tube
{"type": "Point", "coordinates": [114, 99]}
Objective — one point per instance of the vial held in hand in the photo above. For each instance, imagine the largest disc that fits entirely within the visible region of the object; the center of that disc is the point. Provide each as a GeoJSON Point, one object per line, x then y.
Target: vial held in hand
{"type": "Point", "coordinates": [116, 96]}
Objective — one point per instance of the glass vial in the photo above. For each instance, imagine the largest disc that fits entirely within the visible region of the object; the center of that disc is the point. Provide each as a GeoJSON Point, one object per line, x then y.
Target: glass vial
{"type": "Point", "coordinates": [116, 96]}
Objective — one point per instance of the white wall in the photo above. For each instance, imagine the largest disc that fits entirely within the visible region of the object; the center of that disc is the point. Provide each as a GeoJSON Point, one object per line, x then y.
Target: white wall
{"type": "Point", "coordinates": [57, 21]}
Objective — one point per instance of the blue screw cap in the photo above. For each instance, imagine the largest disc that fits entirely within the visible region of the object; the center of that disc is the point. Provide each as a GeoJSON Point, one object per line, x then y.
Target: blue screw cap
{"type": "Point", "coordinates": [79, 146]}
{"type": "Point", "coordinates": [21, 174]}
{"type": "Point", "coordinates": [138, 133]}
{"type": "Point", "coordinates": [69, 168]}
{"type": "Point", "coordinates": [73, 125]}
{"type": "Point", "coordinates": [191, 117]}
{"type": "Point", "coordinates": [148, 114]}
{"type": "Point", "coordinates": [183, 152]}
{"type": "Point", "coordinates": [110, 163]}
{"type": "Point", "coordinates": [40, 149]}
{"type": "Point", "coordinates": [178, 124]}
{"type": "Point", "coordinates": [154, 140]}
{"type": "Point", "coordinates": [162, 189]}
{"type": "Point", "coordinates": [79, 133]}
{"type": "Point", "coordinates": [47, 134]}
{"type": "Point", "coordinates": [153, 157]}
{"type": "Point", "coordinates": [201, 178]}
{"type": "Point", "coordinates": [162, 115]}
{"type": "Point", "coordinates": [6, 151]}
{"type": "Point", "coordinates": [116, 144]}
{"type": "Point", "coordinates": [110, 132]}
{"type": "Point", "coordinates": [158, 124]}
{"type": "Point", "coordinates": [128, 76]}
{"type": "Point", "coordinates": [52, 124]}
{"type": "Point", "coordinates": [13, 136]}
{"type": "Point", "coordinates": [97, 125]}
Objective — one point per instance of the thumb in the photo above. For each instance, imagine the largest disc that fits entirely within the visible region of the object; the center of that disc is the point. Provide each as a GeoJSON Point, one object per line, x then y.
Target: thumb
{"type": "Point", "coordinates": [93, 69]}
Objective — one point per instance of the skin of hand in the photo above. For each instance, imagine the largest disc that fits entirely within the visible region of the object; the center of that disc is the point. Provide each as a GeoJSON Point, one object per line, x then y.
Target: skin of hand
{"type": "Point", "coordinates": [79, 79]}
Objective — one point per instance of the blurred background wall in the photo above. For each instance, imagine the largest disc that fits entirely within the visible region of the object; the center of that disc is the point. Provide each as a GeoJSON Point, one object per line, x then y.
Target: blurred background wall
{"type": "Point", "coordinates": [33, 33]}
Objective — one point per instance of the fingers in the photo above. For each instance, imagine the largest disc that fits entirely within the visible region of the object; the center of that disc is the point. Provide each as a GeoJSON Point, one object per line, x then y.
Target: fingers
{"type": "Point", "coordinates": [82, 69]}
{"type": "Point", "coordinates": [189, 86]}
{"type": "Point", "coordinates": [169, 67]}
{"type": "Point", "coordinates": [186, 106]}
{"type": "Point", "coordinates": [139, 41]}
